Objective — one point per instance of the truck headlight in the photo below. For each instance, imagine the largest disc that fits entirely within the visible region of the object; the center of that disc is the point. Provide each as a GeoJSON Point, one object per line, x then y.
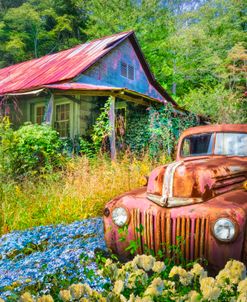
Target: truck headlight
{"type": "Point", "coordinates": [224, 229]}
{"type": "Point", "coordinates": [119, 216]}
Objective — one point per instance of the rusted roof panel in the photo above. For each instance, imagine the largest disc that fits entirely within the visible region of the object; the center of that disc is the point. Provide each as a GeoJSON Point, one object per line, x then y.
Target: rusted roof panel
{"type": "Point", "coordinates": [56, 67]}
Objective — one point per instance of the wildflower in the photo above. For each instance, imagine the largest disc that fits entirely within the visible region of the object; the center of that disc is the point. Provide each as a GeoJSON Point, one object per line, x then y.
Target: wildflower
{"type": "Point", "coordinates": [26, 297]}
{"type": "Point", "coordinates": [144, 261]}
{"type": "Point", "coordinates": [118, 287]}
{"type": "Point", "coordinates": [199, 271]}
{"type": "Point", "coordinates": [132, 298]}
{"type": "Point", "coordinates": [65, 295]}
{"type": "Point", "coordinates": [138, 276]}
{"type": "Point", "coordinates": [242, 297]}
{"type": "Point", "coordinates": [233, 272]}
{"type": "Point", "coordinates": [209, 289]}
{"type": "Point", "coordinates": [123, 299]}
{"type": "Point", "coordinates": [45, 298]}
{"type": "Point", "coordinates": [76, 290]}
{"type": "Point", "coordinates": [184, 277]}
{"type": "Point", "coordinates": [108, 262]}
{"type": "Point", "coordinates": [146, 299]}
{"type": "Point", "coordinates": [1, 300]}
{"type": "Point", "coordinates": [16, 284]}
{"type": "Point", "coordinates": [242, 286]}
{"type": "Point", "coordinates": [155, 288]}
{"type": "Point", "coordinates": [193, 296]}
{"type": "Point", "coordinates": [158, 267]}
{"type": "Point", "coordinates": [28, 280]}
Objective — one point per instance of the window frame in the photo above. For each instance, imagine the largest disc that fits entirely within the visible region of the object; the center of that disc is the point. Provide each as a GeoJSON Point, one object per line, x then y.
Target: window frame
{"type": "Point", "coordinates": [36, 106]}
{"type": "Point", "coordinates": [69, 120]}
{"type": "Point", "coordinates": [128, 66]}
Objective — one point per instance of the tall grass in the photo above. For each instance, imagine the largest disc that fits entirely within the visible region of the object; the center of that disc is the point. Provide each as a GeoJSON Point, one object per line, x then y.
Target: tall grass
{"type": "Point", "coordinates": [78, 192]}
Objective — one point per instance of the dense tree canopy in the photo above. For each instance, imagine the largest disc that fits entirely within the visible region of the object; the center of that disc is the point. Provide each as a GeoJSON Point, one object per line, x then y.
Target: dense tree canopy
{"type": "Point", "coordinates": [197, 49]}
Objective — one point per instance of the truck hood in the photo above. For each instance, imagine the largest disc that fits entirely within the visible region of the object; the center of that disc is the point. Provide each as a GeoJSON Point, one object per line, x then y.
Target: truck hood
{"type": "Point", "coordinates": [196, 180]}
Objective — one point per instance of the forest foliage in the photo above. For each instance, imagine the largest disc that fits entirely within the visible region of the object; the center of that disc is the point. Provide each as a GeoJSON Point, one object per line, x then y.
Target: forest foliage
{"type": "Point", "coordinates": [196, 49]}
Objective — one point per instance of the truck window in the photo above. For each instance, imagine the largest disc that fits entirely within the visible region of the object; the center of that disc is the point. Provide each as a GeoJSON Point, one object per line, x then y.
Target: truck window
{"type": "Point", "coordinates": [231, 144]}
{"type": "Point", "coordinates": [195, 145]}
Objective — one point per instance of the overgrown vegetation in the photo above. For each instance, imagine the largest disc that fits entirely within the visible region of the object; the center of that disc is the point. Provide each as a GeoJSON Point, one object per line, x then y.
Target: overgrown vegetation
{"type": "Point", "coordinates": [30, 150]}
{"type": "Point", "coordinates": [77, 192]}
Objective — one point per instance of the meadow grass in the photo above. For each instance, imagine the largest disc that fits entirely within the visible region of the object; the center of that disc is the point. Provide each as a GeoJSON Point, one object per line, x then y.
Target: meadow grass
{"type": "Point", "coordinates": [79, 191]}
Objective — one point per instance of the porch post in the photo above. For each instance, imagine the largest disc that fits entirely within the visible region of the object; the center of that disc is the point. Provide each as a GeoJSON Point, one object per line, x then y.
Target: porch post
{"type": "Point", "coordinates": [112, 125]}
{"type": "Point", "coordinates": [49, 110]}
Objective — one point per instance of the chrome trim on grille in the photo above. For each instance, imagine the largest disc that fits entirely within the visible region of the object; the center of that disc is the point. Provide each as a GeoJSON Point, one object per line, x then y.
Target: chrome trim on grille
{"type": "Point", "coordinates": [173, 201]}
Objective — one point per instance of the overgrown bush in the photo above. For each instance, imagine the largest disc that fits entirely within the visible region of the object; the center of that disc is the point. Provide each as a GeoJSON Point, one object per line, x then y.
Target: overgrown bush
{"type": "Point", "coordinates": [146, 280]}
{"type": "Point", "coordinates": [165, 127]}
{"type": "Point", "coordinates": [30, 150]}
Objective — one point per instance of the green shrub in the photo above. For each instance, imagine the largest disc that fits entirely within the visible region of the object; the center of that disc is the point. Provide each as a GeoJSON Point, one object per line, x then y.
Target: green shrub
{"type": "Point", "coordinates": [30, 150]}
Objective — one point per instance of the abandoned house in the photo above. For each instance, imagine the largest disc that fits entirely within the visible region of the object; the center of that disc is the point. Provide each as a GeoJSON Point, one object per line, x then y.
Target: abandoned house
{"type": "Point", "coordinates": [67, 89]}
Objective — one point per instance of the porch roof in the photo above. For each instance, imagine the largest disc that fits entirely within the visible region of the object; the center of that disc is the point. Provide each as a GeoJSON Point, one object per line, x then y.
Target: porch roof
{"type": "Point", "coordinates": [103, 90]}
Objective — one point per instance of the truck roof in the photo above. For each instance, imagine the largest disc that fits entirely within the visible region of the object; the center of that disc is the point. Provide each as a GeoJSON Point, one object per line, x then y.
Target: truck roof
{"type": "Point", "coordinates": [215, 128]}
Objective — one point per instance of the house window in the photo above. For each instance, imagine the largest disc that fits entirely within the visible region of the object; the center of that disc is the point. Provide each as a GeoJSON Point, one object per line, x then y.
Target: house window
{"type": "Point", "coordinates": [127, 71]}
{"type": "Point", "coordinates": [62, 119]}
{"type": "Point", "coordinates": [39, 114]}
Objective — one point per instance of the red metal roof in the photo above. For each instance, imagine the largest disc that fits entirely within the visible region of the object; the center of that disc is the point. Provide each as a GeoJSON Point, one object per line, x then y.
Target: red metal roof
{"type": "Point", "coordinates": [57, 67]}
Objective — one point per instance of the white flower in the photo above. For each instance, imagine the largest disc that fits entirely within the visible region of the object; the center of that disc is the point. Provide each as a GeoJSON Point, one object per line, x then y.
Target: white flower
{"type": "Point", "coordinates": [242, 286]}
{"type": "Point", "coordinates": [118, 287]}
{"type": "Point", "coordinates": [199, 271]}
{"type": "Point", "coordinates": [158, 267]}
{"type": "Point", "coordinates": [209, 289]}
{"type": "Point", "coordinates": [65, 295]}
{"type": "Point", "coordinates": [155, 288]}
{"type": "Point", "coordinates": [26, 297]}
{"type": "Point", "coordinates": [144, 261]}
{"type": "Point", "coordinates": [45, 298]}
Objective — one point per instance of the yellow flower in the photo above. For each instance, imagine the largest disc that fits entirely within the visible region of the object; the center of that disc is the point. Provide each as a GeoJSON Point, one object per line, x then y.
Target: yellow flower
{"type": "Point", "coordinates": [28, 280]}
{"type": "Point", "coordinates": [242, 286]}
{"type": "Point", "coordinates": [65, 295]}
{"type": "Point", "coordinates": [16, 284]}
{"type": "Point", "coordinates": [155, 288]}
{"type": "Point", "coordinates": [118, 287]}
{"type": "Point", "coordinates": [108, 262]}
{"type": "Point", "coordinates": [209, 289]}
{"type": "Point", "coordinates": [122, 298]}
{"type": "Point", "coordinates": [132, 298]}
{"type": "Point", "coordinates": [76, 290]}
{"type": "Point", "coordinates": [1, 300]}
{"type": "Point", "coordinates": [26, 297]}
{"type": "Point", "coordinates": [144, 261]}
{"type": "Point", "coordinates": [146, 299]}
{"type": "Point", "coordinates": [193, 296]}
{"type": "Point", "coordinates": [158, 267]}
{"type": "Point", "coordinates": [138, 275]}
{"type": "Point", "coordinates": [199, 271]}
{"type": "Point", "coordinates": [234, 271]}
{"type": "Point", "coordinates": [45, 298]}
{"type": "Point", "coordinates": [242, 297]}
{"type": "Point", "coordinates": [184, 277]}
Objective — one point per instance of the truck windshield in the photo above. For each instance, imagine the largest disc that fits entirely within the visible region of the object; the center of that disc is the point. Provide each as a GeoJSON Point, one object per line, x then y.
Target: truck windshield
{"type": "Point", "coordinates": [225, 144]}
{"type": "Point", "coordinates": [231, 144]}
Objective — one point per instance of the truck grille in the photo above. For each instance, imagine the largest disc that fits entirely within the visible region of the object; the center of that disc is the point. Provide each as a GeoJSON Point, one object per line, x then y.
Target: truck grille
{"type": "Point", "coordinates": [160, 232]}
